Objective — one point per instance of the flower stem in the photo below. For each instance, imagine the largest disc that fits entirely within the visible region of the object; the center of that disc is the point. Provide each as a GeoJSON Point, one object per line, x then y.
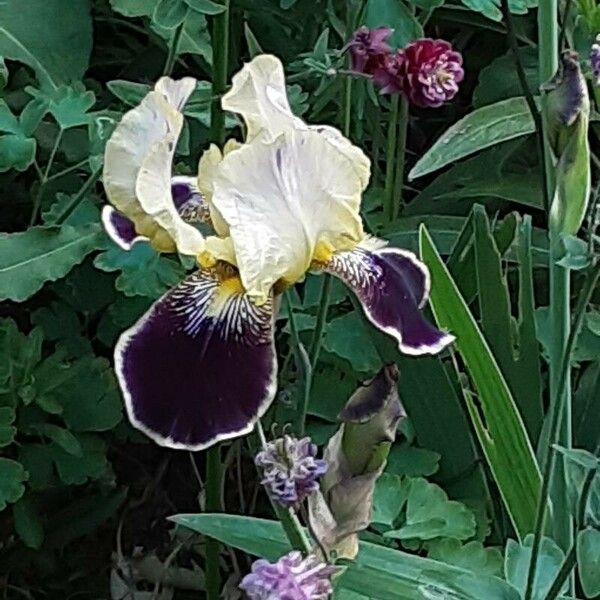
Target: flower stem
{"type": "Point", "coordinates": [562, 382]}
{"type": "Point", "coordinates": [220, 45]}
{"type": "Point", "coordinates": [317, 337]}
{"type": "Point", "coordinates": [213, 504]}
{"type": "Point", "coordinates": [400, 157]}
{"type": "Point", "coordinates": [173, 49]}
{"type": "Point", "coordinates": [78, 197]}
{"type": "Point", "coordinates": [390, 158]}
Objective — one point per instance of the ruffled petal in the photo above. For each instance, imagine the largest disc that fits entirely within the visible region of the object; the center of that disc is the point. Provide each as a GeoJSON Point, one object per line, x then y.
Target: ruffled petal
{"type": "Point", "coordinates": [392, 286]}
{"type": "Point", "coordinates": [282, 199]}
{"type": "Point", "coordinates": [119, 228]}
{"type": "Point", "coordinates": [145, 139]}
{"type": "Point", "coordinates": [258, 93]}
{"type": "Point", "coordinates": [200, 365]}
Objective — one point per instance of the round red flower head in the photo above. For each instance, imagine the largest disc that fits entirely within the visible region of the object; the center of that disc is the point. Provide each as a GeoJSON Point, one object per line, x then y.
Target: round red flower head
{"type": "Point", "coordinates": [427, 71]}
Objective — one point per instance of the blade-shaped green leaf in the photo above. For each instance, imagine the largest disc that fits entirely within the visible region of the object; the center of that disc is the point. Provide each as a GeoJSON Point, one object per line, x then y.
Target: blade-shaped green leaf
{"type": "Point", "coordinates": [30, 258]}
{"type": "Point", "coordinates": [480, 129]}
{"type": "Point", "coordinates": [588, 551]}
{"type": "Point", "coordinates": [499, 426]}
{"type": "Point", "coordinates": [378, 573]}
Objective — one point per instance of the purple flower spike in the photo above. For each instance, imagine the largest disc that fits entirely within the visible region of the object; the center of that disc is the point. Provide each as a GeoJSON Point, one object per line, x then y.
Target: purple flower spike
{"type": "Point", "coordinates": [369, 48]}
{"type": "Point", "coordinates": [290, 469]}
{"type": "Point", "coordinates": [595, 60]}
{"type": "Point", "coordinates": [290, 578]}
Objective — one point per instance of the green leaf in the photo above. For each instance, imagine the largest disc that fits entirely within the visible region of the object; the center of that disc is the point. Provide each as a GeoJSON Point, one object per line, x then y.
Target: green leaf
{"type": "Point", "coordinates": [58, 54]}
{"type": "Point", "coordinates": [61, 437]}
{"type": "Point", "coordinates": [480, 129]}
{"type": "Point", "coordinates": [207, 7]}
{"type": "Point", "coordinates": [134, 8]}
{"type": "Point", "coordinates": [429, 515]}
{"type": "Point", "coordinates": [516, 565]}
{"type": "Point", "coordinates": [16, 152]}
{"type": "Point", "coordinates": [28, 523]}
{"type": "Point", "coordinates": [499, 427]}
{"type": "Point", "coordinates": [169, 13]}
{"type": "Point", "coordinates": [346, 337]}
{"type": "Point", "coordinates": [588, 565]}
{"type": "Point", "coordinates": [391, 493]}
{"type": "Point", "coordinates": [586, 409]}
{"type": "Point", "coordinates": [69, 105]}
{"type": "Point", "coordinates": [378, 573]}
{"type": "Point", "coordinates": [38, 461]}
{"type": "Point", "coordinates": [397, 16]}
{"type": "Point", "coordinates": [499, 80]}
{"type": "Point", "coordinates": [7, 431]}
{"type": "Point", "coordinates": [410, 461]}
{"type": "Point", "coordinates": [491, 8]}
{"type": "Point", "coordinates": [12, 477]}
{"type": "Point", "coordinates": [143, 272]}
{"type": "Point", "coordinates": [76, 470]}
{"type": "Point", "coordinates": [254, 48]}
{"type": "Point", "coordinates": [57, 320]}
{"type": "Point", "coordinates": [472, 556]}
{"type": "Point", "coordinates": [31, 258]}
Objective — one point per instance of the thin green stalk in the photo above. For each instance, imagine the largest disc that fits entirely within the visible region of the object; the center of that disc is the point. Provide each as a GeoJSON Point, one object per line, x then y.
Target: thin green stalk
{"type": "Point", "coordinates": [317, 337]}
{"type": "Point", "coordinates": [78, 197]}
{"type": "Point", "coordinates": [400, 157]}
{"type": "Point", "coordinates": [347, 105]}
{"type": "Point", "coordinates": [213, 504]}
{"type": "Point", "coordinates": [571, 558]}
{"type": "Point", "coordinates": [220, 48]}
{"type": "Point", "coordinates": [220, 41]}
{"type": "Point", "coordinates": [555, 424]}
{"type": "Point", "coordinates": [390, 158]}
{"type": "Point", "coordinates": [44, 179]}
{"type": "Point", "coordinates": [173, 49]}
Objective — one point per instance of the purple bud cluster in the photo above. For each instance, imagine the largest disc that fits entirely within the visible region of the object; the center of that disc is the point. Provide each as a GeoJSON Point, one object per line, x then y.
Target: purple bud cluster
{"type": "Point", "coordinates": [426, 71]}
{"type": "Point", "coordinates": [292, 577]}
{"type": "Point", "coordinates": [290, 469]}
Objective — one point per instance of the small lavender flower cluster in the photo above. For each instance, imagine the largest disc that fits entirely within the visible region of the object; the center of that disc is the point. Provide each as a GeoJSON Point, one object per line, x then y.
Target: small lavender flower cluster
{"type": "Point", "coordinates": [595, 60]}
{"type": "Point", "coordinates": [426, 71]}
{"type": "Point", "coordinates": [290, 469]}
{"type": "Point", "coordinates": [290, 578]}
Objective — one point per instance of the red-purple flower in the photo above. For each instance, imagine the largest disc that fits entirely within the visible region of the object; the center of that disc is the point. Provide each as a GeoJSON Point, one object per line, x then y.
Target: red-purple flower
{"type": "Point", "coordinates": [290, 578]}
{"type": "Point", "coordinates": [369, 49]}
{"type": "Point", "coordinates": [430, 72]}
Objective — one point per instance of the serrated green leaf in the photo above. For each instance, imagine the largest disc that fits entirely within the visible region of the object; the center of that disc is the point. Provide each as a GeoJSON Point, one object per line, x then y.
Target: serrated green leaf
{"type": "Point", "coordinates": [143, 272]}
{"type": "Point", "coordinates": [28, 523]}
{"type": "Point", "coordinates": [61, 437]}
{"type": "Point", "coordinates": [472, 556]}
{"type": "Point", "coordinates": [429, 515]}
{"type": "Point", "coordinates": [482, 128]}
{"type": "Point", "coordinates": [31, 258]}
{"type": "Point", "coordinates": [588, 565]}
{"type": "Point", "coordinates": [12, 477]}
{"type": "Point", "coordinates": [491, 8]}
{"type": "Point", "coordinates": [57, 320]}
{"type": "Point", "coordinates": [410, 461]}
{"type": "Point", "coordinates": [68, 105]}
{"type": "Point", "coordinates": [391, 493]}
{"type": "Point", "coordinates": [76, 470]}
{"type": "Point", "coordinates": [499, 427]}
{"type": "Point", "coordinates": [16, 152]}
{"type": "Point", "coordinates": [57, 54]}
{"type": "Point", "coordinates": [194, 38]}
{"type": "Point", "coordinates": [516, 565]}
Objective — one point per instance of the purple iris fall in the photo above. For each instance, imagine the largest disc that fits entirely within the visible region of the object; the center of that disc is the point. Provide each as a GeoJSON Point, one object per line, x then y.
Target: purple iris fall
{"type": "Point", "coordinates": [290, 578]}
{"type": "Point", "coordinates": [290, 469]}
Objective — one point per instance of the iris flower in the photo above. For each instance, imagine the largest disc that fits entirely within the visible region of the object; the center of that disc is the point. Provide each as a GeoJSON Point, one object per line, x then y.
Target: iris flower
{"type": "Point", "coordinates": [200, 366]}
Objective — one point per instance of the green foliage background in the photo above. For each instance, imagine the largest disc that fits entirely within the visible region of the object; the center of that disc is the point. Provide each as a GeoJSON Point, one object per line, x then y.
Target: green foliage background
{"type": "Point", "coordinates": [84, 498]}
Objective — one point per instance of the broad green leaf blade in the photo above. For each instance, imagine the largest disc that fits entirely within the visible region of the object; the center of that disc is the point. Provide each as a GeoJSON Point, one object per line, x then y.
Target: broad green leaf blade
{"type": "Point", "coordinates": [12, 477]}
{"type": "Point", "coordinates": [480, 129]}
{"type": "Point", "coordinates": [379, 573]}
{"type": "Point", "coordinates": [54, 39]}
{"type": "Point", "coordinates": [499, 426]}
{"type": "Point", "coordinates": [398, 17]}
{"type": "Point", "coordinates": [491, 8]}
{"type": "Point", "coordinates": [588, 563]}
{"type": "Point", "coordinates": [30, 258]}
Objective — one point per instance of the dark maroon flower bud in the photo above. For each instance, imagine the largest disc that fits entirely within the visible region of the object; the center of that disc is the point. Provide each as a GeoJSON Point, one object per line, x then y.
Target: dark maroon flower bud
{"type": "Point", "coordinates": [369, 48]}
{"type": "Point", "coordinates": [427, 71]}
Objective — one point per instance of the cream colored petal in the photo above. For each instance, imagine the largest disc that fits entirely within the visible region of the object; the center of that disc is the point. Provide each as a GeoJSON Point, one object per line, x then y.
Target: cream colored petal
{"type": "Point", "coordinates": [132, 141]}
{"type": "Point", "coordinates": [282, 199]}
{"type": "Point", "coordinates": [258, 93]}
